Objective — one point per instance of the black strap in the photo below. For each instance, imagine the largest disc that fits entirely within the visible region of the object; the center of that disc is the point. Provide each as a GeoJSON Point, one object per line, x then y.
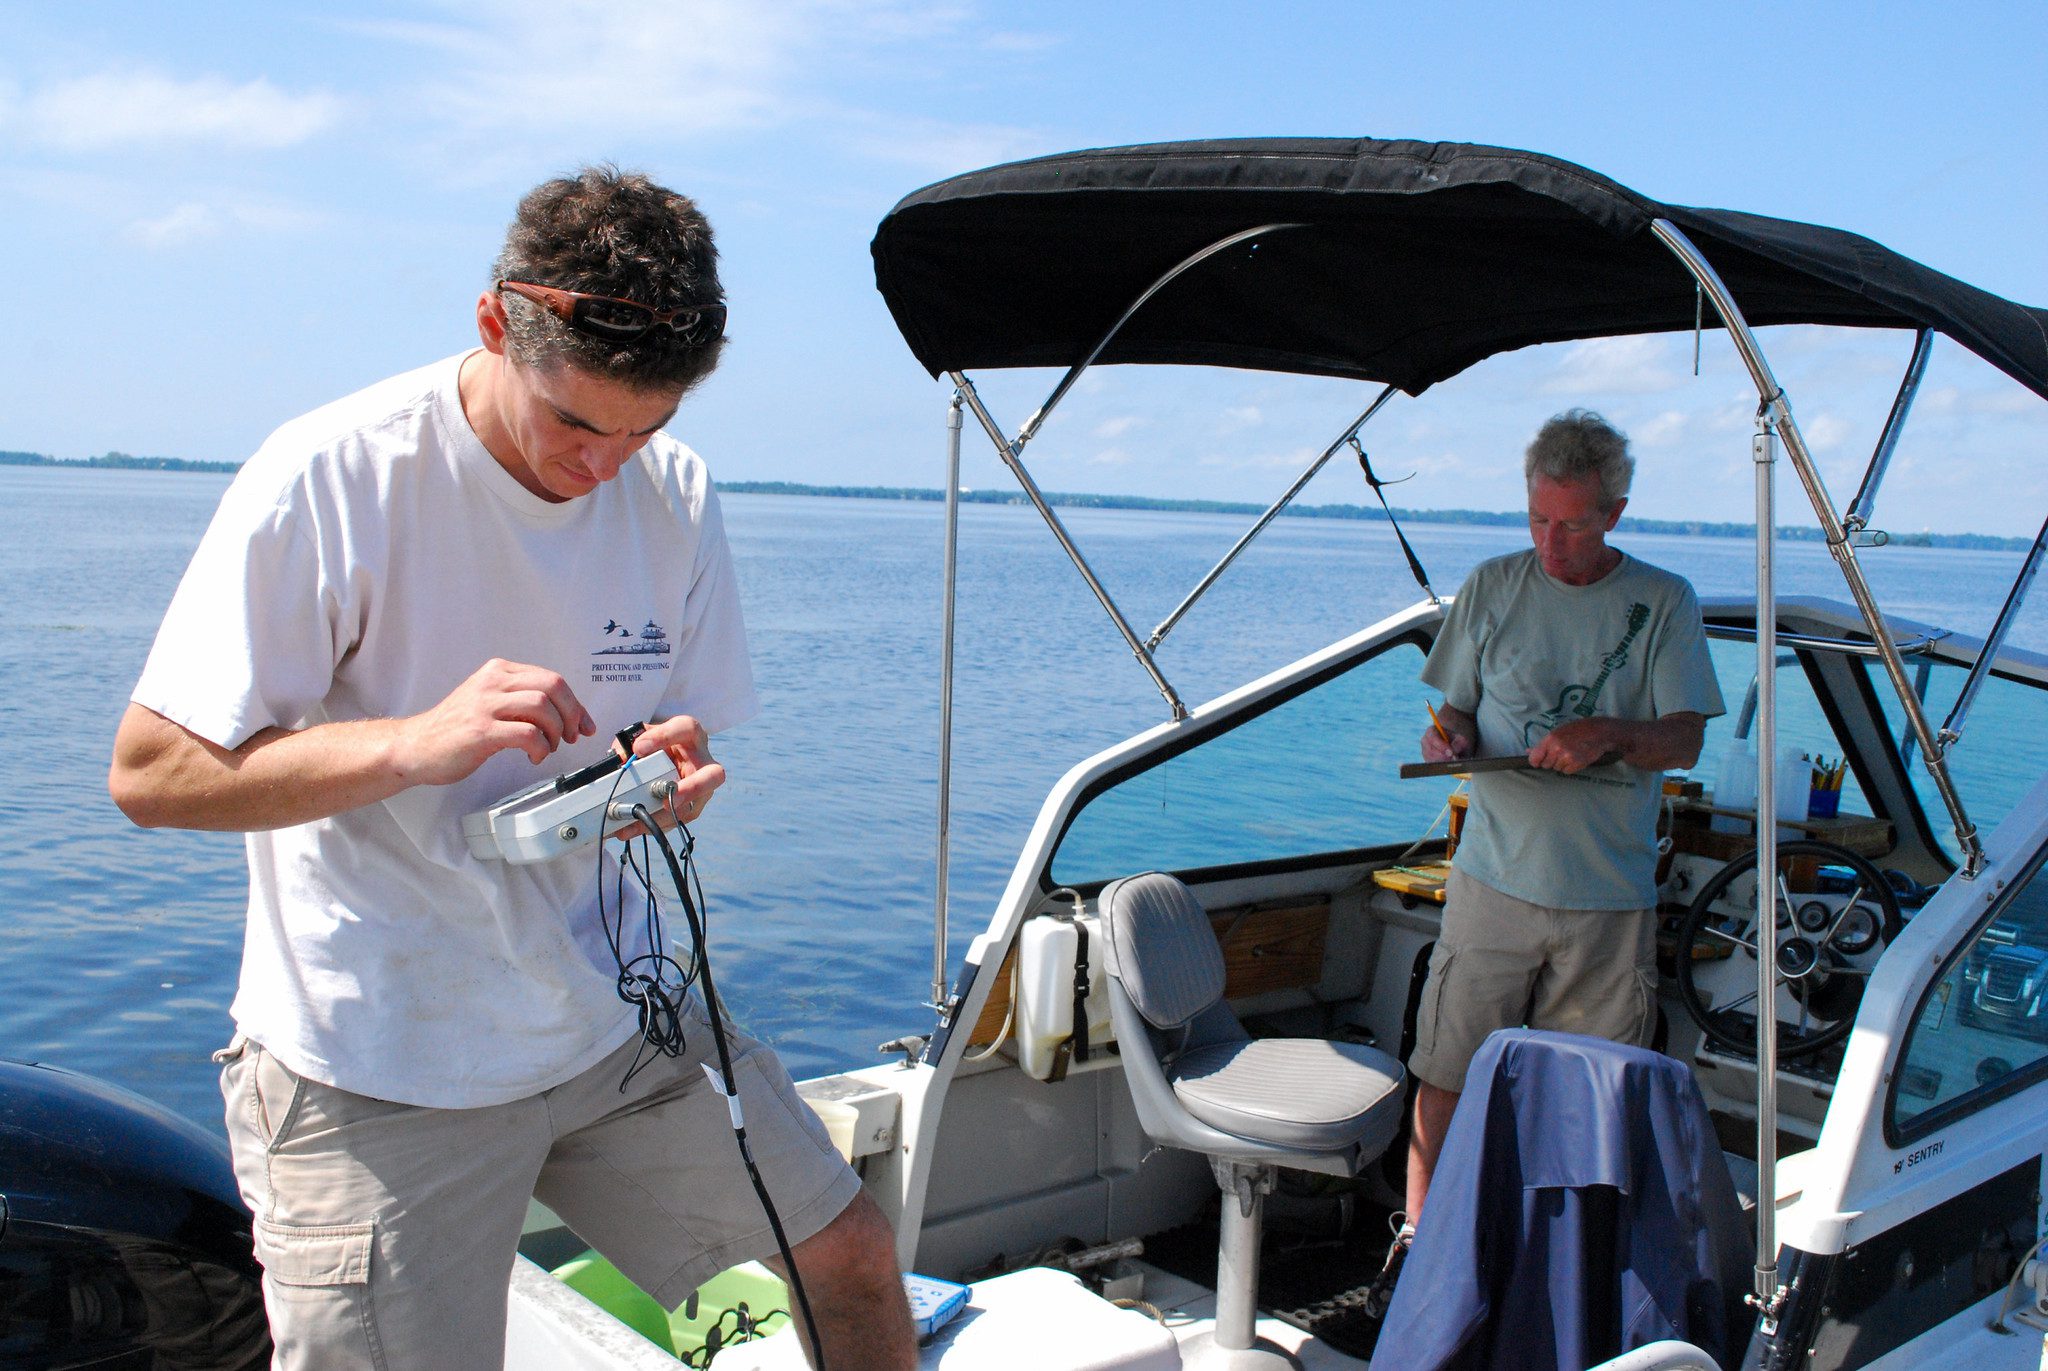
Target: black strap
{"type": "Point", "coordinates": [1414, 562]}
{"type": "Point", "coordinates": [1080, 991]}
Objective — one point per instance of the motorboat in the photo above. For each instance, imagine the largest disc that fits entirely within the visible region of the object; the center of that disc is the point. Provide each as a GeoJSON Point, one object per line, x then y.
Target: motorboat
{"type": "Point", "coordinates": [1886, 1120]}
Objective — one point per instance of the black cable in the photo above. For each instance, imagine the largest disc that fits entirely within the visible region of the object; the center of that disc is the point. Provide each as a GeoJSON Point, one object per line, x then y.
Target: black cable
{"type": "Point", "coordinates": [702, 959]}
{"type": "Point", "coordinates": [652, 981]}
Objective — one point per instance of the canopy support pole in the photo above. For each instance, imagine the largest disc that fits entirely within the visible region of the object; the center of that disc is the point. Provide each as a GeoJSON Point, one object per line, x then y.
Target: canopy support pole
{"type": "Point", "coordinates": [1858, 517]}
{"type": "Point", "coordinates": [942, 896]}
{"type": "Point", "coordinates": [1764, 453]}
{"type": "Point", "coordinates": [1952, 730]}
{"type": "Point", "coordinates": [1166, 624]}
{"type": "Point", "coordinates": [1772, 403]}
{"type": "Point", "coordinates": [1009, 452]}
{"type": "Point", "coordinates": [1066, 383]}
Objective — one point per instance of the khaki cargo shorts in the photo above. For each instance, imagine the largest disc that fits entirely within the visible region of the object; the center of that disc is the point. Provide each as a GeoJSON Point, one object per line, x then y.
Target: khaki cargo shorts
{"type": "Point", "coordinates": [387, 1231]}
{"type": "Point", "coordinates": [1501, 962]}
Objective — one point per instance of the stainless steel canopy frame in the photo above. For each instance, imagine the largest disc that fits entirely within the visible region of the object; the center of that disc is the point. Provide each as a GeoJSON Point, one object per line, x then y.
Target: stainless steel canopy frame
{"type": "Point", "coordinates": [1775, 423]}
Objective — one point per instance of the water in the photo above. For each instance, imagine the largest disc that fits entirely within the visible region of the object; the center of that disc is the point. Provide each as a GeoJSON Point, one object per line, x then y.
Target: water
{"type": "Point", "coordinates": [118, 948]}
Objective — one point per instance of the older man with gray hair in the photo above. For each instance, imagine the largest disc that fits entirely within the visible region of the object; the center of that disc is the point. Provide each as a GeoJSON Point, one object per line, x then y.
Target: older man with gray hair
{"type": "Point", "coordinates": [1595, 665]}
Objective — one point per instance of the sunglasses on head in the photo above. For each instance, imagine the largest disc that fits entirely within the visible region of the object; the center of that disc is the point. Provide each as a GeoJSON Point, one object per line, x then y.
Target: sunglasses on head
{"type": "Point", "coordinates": [613, 320]}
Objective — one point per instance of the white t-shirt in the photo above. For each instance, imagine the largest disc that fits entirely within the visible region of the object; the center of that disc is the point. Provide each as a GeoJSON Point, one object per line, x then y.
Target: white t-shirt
{"type": "Point", "coordinates": [367, 560]}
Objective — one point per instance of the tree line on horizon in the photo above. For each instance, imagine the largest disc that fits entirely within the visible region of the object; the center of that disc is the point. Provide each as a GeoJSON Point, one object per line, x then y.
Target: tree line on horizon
{"type": "Point", "coordinates": [1699, 528]}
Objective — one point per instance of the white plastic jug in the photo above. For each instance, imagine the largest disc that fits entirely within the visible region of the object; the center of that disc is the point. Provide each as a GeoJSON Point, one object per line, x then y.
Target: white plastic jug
{"type": "Point", "coordinates": [1735, 786]}
{"type": "Point", "coordinates": [1794, 784]}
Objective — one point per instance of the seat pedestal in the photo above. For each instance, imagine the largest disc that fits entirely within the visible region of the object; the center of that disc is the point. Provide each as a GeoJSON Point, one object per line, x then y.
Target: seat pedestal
{"type": "Point", "coordinates": [1234, 1345]}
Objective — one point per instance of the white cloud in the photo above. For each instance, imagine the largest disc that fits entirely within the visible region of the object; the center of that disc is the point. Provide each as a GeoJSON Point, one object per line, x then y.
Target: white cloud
{"type": "Point", "coordinates": [1242, 416]}
{"type": "Point", "coordinates": [930, 146]}
{"type": "Point", "coordinates": [566, 70]}
{"type": "Point", "coordinates": [1825, 431]}
{"type": "Point", "coordinates": [1116, 427]}
{"type": "Point", "coordinates": [1667, 429]}
{"type": "Point", "coordinates": [139, 108]}
{"type": "Point", "coordinates": [195, 221]}
{"type": "Point", "coordinates": [1615, 366]}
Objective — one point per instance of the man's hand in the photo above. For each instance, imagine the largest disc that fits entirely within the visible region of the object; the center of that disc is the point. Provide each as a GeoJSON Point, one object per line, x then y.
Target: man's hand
{"type": "Point", "coordinates": [1649, 744]}
{"type": "Point", "coordinates": [689, 747]}
{"type": "Point", "coordinates": [1451, 734]}
{"type": "Point", "coordinates": [1573, 746]}
{"type": "Point", "coordinates": [502, 705]}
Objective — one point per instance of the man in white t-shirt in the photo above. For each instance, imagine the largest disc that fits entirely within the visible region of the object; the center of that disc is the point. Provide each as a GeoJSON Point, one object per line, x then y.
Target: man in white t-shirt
{"type": "Point", "coordinates": [411, 603]}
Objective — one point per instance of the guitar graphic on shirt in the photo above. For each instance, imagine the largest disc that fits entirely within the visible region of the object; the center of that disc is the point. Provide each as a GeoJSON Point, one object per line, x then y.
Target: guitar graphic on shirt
{"type": "Point", "coordinates": [1579, 701]}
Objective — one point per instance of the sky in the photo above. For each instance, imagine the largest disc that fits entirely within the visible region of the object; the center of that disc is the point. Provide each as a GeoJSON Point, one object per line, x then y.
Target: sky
{"type": "Point", "coordinates": [219, 216]}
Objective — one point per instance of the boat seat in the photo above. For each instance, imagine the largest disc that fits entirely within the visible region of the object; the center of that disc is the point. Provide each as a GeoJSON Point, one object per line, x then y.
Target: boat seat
{"type": "Point", "coordinates": [1250, 1105]}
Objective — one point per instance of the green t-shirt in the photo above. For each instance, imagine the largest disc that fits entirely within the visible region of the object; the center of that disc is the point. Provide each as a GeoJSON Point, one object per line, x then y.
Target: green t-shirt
{"type": "Point", "coordinates": [1522, 652]}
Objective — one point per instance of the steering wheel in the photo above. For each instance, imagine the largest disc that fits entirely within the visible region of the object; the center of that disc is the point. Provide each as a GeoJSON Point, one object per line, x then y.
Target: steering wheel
{"type": "Point", "coordinates": [1826, 949]}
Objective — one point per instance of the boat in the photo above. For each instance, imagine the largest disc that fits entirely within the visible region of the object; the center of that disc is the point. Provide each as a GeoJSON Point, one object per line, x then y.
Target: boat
{"type": "Point", "coordinates": [1888, 1120]}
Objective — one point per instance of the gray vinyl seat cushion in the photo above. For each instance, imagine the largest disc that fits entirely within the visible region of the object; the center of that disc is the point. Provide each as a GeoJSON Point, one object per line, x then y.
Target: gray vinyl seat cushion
{"type": "Point", "coordinates": [1291, 1092]}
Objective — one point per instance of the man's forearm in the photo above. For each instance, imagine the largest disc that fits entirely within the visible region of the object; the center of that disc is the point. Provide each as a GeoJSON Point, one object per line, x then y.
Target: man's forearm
{"type": "Point", "coordinates": [165, 776]}
{"type": "Point", "coordinates": [1667, 744]}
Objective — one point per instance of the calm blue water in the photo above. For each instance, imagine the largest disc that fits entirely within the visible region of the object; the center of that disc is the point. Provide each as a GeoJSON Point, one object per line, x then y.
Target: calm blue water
{"type": "Point", "coordinates": [118, 948]}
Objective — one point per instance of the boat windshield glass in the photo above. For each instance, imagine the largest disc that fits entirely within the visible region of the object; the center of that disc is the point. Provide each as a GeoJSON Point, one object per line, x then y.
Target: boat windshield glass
{"type": "Point", "coordinates": [1317, 773]}
{"type": "Point", "coordinates": [1801, 724]}
{"type": "Point", "coordinates": [2003, 751]}
{"type": "Point", "coordinates": [1982, 1030]}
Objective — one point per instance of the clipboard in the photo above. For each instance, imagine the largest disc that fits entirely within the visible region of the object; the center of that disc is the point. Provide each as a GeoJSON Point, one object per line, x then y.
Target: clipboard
{"type": "Point", "coordinates": [1466, 766]}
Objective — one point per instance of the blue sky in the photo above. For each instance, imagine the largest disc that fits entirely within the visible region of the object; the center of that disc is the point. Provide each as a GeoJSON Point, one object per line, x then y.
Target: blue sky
{"type": "Point", "coordinates": [220, 215]}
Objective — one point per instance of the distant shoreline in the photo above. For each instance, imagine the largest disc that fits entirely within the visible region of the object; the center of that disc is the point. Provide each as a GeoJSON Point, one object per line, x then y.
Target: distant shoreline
{"type": "Point", "coordinates": [1697, 528]}
{"type": "Point", "coordinates": [121, 461]}
{"type": "Point", "coordinates": [116, 461]}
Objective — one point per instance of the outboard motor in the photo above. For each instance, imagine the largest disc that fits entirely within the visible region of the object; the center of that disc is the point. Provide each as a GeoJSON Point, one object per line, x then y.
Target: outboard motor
{"type": "Point", "coordinates": [123, 1240]}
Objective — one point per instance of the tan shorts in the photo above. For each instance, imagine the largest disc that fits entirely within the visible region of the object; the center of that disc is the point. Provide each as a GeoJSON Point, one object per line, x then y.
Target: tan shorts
{"type": "Point", "coordinates": [387, 1231]}
{"type": "Point", "coordinates": [1501, 962]}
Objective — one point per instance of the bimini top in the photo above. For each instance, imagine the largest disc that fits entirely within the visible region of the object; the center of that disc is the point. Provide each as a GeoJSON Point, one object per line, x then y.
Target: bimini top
{"type": "Point", "coordinates": [1412, 262]}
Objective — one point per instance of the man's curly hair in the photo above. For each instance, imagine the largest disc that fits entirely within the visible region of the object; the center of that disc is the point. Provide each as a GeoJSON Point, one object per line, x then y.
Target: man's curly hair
{"type": "Point", "coordinates": [608, 232]}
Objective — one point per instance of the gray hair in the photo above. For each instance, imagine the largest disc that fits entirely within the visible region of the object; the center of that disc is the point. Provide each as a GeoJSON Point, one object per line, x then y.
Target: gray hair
{"type": "Point", "coordinates": [608, 232]}
{"type": "Point", "coordinates": [1579, 445]}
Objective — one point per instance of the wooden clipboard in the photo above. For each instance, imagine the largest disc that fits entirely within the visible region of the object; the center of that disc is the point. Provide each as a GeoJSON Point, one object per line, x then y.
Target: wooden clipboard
{"type": "Point", "coordinates": [1466, 766]}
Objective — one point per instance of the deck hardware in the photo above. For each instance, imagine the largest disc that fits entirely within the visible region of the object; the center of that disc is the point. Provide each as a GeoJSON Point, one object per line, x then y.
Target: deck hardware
{"type": "Point", "coordinates": [910, 1045]}
{"type": "Point", "coordinates": [567, 833]}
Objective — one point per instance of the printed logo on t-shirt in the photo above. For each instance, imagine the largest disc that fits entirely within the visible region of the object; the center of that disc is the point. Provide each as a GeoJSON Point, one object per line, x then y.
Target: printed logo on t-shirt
{"type": "Point", "coordinates": [627, 655]}
{"type": "Point", "coordinates": [1579, 701]}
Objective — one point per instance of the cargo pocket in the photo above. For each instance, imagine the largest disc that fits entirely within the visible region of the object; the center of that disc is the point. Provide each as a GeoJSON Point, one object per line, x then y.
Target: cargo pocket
{"type": "Point", "coordinates": [1429, 1013]}
{"type": "Point", "coordinates": [320, 1255]}
{"type": "Point", "coordinates": [316, 1281]}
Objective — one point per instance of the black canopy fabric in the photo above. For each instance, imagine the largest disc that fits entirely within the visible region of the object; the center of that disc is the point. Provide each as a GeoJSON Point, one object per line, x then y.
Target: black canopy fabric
{"type": "Point", "coordinates": [1409, 263]}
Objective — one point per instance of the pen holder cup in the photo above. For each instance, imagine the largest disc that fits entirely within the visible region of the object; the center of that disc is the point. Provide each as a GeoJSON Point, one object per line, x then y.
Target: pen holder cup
{"type": "Point", "coordinates": [1822, 804]}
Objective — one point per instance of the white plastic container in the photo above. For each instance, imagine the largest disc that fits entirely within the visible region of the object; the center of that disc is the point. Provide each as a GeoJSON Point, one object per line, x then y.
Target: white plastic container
{"type": "Point", "coordinates": [1735, 787]}
{"type": "Point", "coordinates": [1045, 992]}
{"type": "Point", "coordinates": [1794, 787]}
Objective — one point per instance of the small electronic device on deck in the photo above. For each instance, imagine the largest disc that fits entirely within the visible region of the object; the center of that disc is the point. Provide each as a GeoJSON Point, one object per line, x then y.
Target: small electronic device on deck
{"type": "Point", "coordinates": [573, 810]}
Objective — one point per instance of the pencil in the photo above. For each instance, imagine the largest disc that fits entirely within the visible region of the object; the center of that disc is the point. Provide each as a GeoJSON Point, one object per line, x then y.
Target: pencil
{"type": "Point", "coordinates": [1438, 722]}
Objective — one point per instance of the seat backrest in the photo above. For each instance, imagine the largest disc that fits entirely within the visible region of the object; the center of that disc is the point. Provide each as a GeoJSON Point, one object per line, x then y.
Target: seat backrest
{"type": "Point", "coordinates": [1161, 948]}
